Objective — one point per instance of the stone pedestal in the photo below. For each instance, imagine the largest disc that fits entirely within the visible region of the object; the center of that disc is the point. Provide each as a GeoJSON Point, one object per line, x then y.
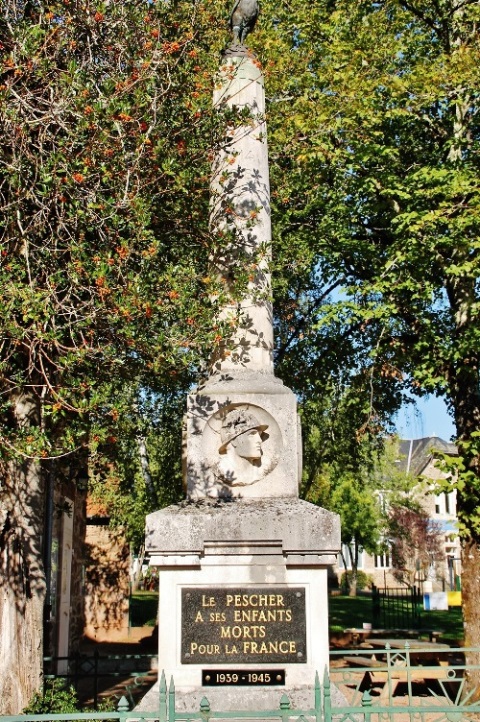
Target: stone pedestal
{"type": "Point", "coordinates": [243, 591]}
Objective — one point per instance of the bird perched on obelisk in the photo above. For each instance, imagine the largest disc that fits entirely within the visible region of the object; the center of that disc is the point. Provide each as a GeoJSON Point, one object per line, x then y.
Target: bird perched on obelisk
{"type": "Point", "coordinates": [242, 20]}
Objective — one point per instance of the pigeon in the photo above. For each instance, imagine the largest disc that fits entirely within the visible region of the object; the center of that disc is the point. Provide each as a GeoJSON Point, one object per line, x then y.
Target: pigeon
{"type": "Point", "coordinates": [242, 20]}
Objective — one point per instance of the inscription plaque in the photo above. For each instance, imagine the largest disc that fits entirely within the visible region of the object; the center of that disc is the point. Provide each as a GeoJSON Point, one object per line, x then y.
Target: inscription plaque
{"type": "Point", "coordinates": [253, 625]}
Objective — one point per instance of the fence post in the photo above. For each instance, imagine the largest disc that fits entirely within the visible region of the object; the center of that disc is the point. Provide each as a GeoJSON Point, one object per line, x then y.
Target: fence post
{"type": "Point", "coordinates": [409, 670]}
{"type": "Point", "coordinates": [204, 709]}
{"type": "Point", "coordinates": [95, 679]}
{"type": "Point", "coordinates": [285, 708]}
{"type": "Point", "coordinates": [171, 701]}
{"type": "Point", "coordinates": [417, 607]}
{"type": "Point", "coordinates": [367, 705]}
{"type": "Point", "coordinates": [318, 699]}
{"type": "Point", "coordinates": [163, 699]}
{"type": "Point", "coordinates": [327, 697]}
{"type": "Point", "coordinates": [123, 708]}
{"type": "Point", "coordinates": [389, 671]}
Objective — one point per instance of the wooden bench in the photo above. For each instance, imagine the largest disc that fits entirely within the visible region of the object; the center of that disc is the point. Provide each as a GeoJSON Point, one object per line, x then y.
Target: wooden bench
{"type": "Point", "coordinates": [378, 673]}
{"type": "Point", "coordinates": [433, 634]}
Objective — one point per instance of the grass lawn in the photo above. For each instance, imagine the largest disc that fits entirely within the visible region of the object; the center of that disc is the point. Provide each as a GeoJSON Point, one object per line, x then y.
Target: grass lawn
{"type": "Point", "coordinates": [347, 612]}
{"type": "Point", "coordinates": [450, 622]}
{"type": "Point", "coordinates": [143, 609]}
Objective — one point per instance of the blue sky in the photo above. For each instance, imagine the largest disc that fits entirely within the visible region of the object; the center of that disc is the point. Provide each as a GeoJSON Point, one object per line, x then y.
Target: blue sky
{"type": "Point", "coordinates": [427, 417]}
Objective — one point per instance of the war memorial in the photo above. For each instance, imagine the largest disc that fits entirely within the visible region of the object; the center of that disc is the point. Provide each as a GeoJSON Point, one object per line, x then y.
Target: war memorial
{"type": "Point", "coordinates": [242, 561]}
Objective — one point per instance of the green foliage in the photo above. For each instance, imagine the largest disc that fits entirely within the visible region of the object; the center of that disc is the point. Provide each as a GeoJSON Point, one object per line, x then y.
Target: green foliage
{"type": "Point", "coordinates": [362, 580]}
{"type": "Point", "coordinates": [143, 609]}
{"type": "Point", "coordinates": [147, 471]}
{"type": "Point", "coordinates": [110, 306]}
{"type": "Point", "coordinates": [362, 496]}
{"type": "Point", "coordinates": [106, 139]}
{"type": "Point", "coordinates": [377, 197]}
{"type": "Point", "coordinates": [56, 698]}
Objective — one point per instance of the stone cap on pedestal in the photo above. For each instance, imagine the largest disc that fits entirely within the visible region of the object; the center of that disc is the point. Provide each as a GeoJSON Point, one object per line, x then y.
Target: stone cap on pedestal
{"type": "Point", "coordinates": [291, 527]}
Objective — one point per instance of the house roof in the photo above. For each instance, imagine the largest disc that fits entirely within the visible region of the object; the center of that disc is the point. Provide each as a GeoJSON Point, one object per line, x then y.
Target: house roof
{"type": "Point", "coordinates": [415, 454]}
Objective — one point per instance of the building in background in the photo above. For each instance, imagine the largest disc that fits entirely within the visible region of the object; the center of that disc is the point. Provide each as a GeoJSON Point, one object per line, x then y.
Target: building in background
{"type": "Point", "coordinates": [418, 457]}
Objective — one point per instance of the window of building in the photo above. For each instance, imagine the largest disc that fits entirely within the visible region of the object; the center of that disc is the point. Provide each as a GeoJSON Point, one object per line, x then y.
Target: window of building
{"type": "Point", "coordinates": [383, 561]}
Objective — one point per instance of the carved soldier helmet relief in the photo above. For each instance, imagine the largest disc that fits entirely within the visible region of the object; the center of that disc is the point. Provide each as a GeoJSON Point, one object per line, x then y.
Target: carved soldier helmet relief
{"type": "Point", "coordinates": [237, 422]}
{"type": "Point", "coordinates": [242, 444]}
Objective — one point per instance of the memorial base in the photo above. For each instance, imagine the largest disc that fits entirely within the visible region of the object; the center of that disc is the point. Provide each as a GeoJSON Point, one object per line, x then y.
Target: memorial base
{"type": "Point", "coordinates": [242, 593]}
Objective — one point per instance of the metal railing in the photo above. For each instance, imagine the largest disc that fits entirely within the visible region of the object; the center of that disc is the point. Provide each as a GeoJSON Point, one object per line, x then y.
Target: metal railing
{"type": "Point", "coordinates": [371, 685]}
{"type": "Point", "coordinates": [428, 683]}
{"type": "Point", "coordinates": [167, 711]}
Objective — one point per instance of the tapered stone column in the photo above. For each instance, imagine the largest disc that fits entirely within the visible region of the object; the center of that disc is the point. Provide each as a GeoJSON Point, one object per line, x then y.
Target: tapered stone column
{"type": "Point", "coordinates": [240, 207]}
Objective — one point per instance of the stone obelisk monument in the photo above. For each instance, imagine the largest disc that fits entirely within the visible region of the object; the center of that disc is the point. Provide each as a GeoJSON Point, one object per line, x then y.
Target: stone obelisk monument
{"type": "Point", "coordinates": [243, 561]}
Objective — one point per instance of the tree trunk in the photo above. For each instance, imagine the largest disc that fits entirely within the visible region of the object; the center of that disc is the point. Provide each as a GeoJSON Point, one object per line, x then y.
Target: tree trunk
{"type": "Point", "coordinates": [471, 612]}
{"type": "Point", "coordinates": [466, 403]}
{"type": "Point", "coordinates": [22, 580]}
{"type": "Point", "coordinates": [352, 592]}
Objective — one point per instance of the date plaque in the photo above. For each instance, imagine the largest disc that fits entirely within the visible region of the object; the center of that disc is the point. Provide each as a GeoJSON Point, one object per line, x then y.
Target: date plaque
{"type": "Point", "coordinates": [243, 678]}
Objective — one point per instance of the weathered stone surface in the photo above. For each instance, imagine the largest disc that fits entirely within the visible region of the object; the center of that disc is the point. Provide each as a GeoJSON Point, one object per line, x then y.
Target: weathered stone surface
{"type": "Point", "coordinates": [186, 528]}
{"type": "Point", "coordinates": [243, 562]}
{"type": "Point", "coordinates": [240, 207]}
{"type": "Point", "coordinates": [241, 377]}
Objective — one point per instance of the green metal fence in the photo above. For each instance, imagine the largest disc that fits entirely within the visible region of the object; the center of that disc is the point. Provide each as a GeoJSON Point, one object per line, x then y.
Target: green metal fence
{"type": "Point", "coordinates": [387, 684]}
{"type": "Point", "coordinates": [402, 681]}
{"type": "Point", "coordinates": [167, 711]}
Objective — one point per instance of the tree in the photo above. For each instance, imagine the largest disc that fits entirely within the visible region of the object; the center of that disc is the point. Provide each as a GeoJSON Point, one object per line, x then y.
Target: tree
{"type": "Point", "coordinates": [106, 135]}
{"type": "Point", "coordinates": [147, 473]}
{"type": "Point", "coordinates": [416, 544]}
{"type": "Point", "coordinates": [362, 490]}
{"type": "Point", "coordinates": [378, 170]}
